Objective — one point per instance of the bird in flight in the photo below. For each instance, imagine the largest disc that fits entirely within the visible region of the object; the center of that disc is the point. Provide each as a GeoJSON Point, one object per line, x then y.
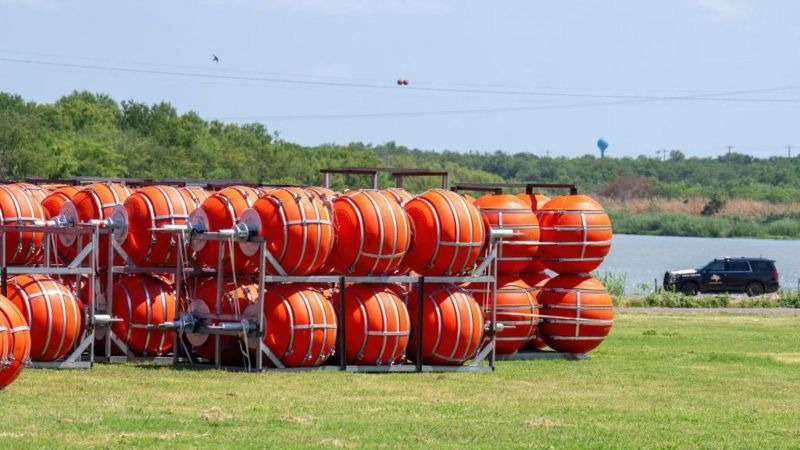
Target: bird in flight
{"type": "Point", "coordinates": [214, 58]}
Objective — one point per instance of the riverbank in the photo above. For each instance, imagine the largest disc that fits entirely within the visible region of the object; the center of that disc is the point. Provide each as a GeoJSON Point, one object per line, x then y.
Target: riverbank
{"type": "Point", "coordinates": [668, 299]}
{"type": "Point", "coordinates": [697, 217]}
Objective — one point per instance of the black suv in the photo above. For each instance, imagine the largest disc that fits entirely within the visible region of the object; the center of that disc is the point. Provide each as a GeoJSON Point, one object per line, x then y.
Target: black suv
{"type": "Point", "coordinates": [753, 276]}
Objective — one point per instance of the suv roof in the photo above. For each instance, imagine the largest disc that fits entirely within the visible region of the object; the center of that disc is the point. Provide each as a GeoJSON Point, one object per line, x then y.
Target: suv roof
{"type": "Point", "coordinates": [743, 258]}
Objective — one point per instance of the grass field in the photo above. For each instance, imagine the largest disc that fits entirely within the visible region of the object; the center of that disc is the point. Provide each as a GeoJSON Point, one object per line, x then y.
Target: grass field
{"type": "Point", "coordinates": [658, 381]}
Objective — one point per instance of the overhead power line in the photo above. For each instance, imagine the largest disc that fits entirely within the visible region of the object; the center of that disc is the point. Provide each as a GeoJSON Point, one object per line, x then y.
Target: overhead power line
{"type": "Point", "coordinates": [731, 96]}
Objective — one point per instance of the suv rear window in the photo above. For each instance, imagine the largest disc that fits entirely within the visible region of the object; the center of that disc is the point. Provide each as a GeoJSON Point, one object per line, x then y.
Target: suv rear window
{"type": "Point", "coordinates": [762, 266]}
{"type": "Point", "coordinates": [737, 266]}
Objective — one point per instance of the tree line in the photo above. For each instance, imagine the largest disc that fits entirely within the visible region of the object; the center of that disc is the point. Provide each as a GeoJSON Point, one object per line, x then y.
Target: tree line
{"type": "Point", "coordinates": [87, 134]}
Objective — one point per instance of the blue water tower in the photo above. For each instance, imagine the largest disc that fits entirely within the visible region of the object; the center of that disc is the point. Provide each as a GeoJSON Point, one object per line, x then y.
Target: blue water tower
{"type": "Point", "coordinates": [602, 144]}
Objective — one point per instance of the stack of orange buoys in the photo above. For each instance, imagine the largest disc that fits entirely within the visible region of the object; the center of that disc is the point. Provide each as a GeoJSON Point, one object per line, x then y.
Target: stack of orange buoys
{"type": "Point", "coordinates": [535, 201]}
{"type": "Point", "coordinates": [15, 342]}
{"type": "Point", "coordinates": [372, 234]}
{"type": "Point", "coordinates": [55, 200]}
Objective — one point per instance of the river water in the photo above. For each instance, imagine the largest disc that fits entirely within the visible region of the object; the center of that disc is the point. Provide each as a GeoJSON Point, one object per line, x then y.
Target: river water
{"type": "Point", "coordinates": [645, 258]}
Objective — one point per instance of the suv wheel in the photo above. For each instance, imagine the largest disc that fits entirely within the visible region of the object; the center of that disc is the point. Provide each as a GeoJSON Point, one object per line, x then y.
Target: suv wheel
{"type": "Point", "coordinates": [754, 289]}
{"type": "Point", "coordinates": [689, 288]}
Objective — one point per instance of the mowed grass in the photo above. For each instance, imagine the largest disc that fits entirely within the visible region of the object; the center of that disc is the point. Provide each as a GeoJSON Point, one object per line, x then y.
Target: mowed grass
{"type": "Point", "coordinates": [658, 381]}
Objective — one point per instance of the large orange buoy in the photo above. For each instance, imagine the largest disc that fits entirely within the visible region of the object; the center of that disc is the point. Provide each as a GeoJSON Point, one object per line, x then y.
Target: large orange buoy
{"type": "Point", "coordinates": [55, 200]}
{"type": "Point", "coordinates": [537, 280]}
{"type": "Point", "coordinates": [54, 315]}
{"type": "Point", "coordinates": [448, 233]}
{"type": "Point", "coordinates": [151, 207]}
{"type": "Point", "coordinates": [300, 325]}
{"type": "Point", "coordinates": [194, 196]}
{"type": "Point", "coordinates": [577, 313]}
{"type": "Point", "coordinates": [221, 211]}
{"type": "Point", "coordinates": [575, 234]}
{"type": "Point", "coordinates": [15, 342]}
{"type": "Point", "coordinates": [517, 310]}
{"type": "Point", "coordinates": [452, 324]}
{"type": "Point", "coordinates": [19, 208]}
{"type": "Point", "coordinates": [37, 193]}
{"type": "Point", "coordinates": [234, 301]}
{"type": "Point", "coordinates": [94, 202]}
{"type": "Point", "coordinates": [323, 193]}
{"type": "Point", "coordinates": [298, 229]}
{"type": "Point", "coordinates": [377, 324]}
{"type": "Point", "coordinates": [401, 196]}
{"type": "Point", "coordinates": [535, 201]}
{"type": "Point", "coordinates": [372, 234]}
{"type": "Point", "coordinates": [142, 301]}
{"type": "Point", "coordinates": [507, 212]}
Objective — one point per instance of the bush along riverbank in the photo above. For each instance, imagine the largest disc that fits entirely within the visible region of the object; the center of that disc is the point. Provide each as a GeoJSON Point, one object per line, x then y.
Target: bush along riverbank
{"type": "Point", "coordinates": [615, 285]}
{"type": "Point", "coordinates": [768, 226]}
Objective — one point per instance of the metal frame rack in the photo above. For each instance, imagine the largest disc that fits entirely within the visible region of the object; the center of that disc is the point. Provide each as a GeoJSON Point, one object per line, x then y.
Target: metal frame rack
{"type": "Point", "coordinates": [498, 188]}
{"type": "Point", "coordinates": [84, 264]}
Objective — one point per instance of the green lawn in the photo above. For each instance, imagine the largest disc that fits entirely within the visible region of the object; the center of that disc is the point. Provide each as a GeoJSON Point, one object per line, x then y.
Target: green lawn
{"type": "Point", "coordinates": [658, 381]}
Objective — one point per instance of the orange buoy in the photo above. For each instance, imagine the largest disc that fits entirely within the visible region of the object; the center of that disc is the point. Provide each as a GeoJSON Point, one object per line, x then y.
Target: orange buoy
{"type": "Point", "coordinates": [577, 313]}
{"type": "Point", "coordinates": [220, 211]}
{"type": "Point", "coordinates": [142, 301]}
{"type": "Point", "coordinates": [448, 233]}
{"type": "Point", "coordinates": [55, 200]}
{"type": "Point", "coordinates": [36, 192]}
{"type": "Point", "coordinates": [401, 196]}
{"type": "Point", "coordinates": [194, 196]}
{"type": "Point", "coordinates": [534, 201]}
{"type": "Point", "coordinates": [372, 234]}
{"type": "Point", "coordinates": [452, 324]}
{"type": "Point", "coordinates": [19, 208]}
{"type": "Point", "coordinates": [234, 301]}
{"type": "Point", "coordinates": [94, 202]}
{"type": "Point", "coordinates": [298, 229]}
{"type": "Point", "coordinates": [323, 193]}
{"type": "Point", "coordinates": [537, 280]}
{"type": "Point", "coordinates": [377, 322]}
{"type": "Point", "coordinates": [151, 207]}
{"type": "Point", "coordinates": [300, 325]}
{"type": "Point", "coordinates": [507, 212]}
{"type": "Point", "coordinates": [15, 342]}
{"type": "Point", "coordinates": [575, 234]}
{"type": "Point", "coordinates": [517, 310]}
{"type": "Point", "coordinates": [54, 315]}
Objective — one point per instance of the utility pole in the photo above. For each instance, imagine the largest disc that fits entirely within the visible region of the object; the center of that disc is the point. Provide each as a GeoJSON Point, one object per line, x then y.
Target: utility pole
{"type": "Point", "coordinates": [730, 147]}
{"type": "Point", "coordinates": [547, 152]}
{"type": "Point", "coordinates": [789, 149]}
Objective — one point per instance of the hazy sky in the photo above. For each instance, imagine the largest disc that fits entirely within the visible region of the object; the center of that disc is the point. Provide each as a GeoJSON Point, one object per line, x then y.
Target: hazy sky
{"type": "Point", "coordinates": [532, 76]}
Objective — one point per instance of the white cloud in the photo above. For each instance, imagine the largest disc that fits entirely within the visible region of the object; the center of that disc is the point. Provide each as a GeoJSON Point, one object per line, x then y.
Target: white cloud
{"type": "Point", "coordinates": [350, 7]}
{"type": "Point", "coordinates": [36, 5]}
{"type": "Point", "coordinates": [725, 9]}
